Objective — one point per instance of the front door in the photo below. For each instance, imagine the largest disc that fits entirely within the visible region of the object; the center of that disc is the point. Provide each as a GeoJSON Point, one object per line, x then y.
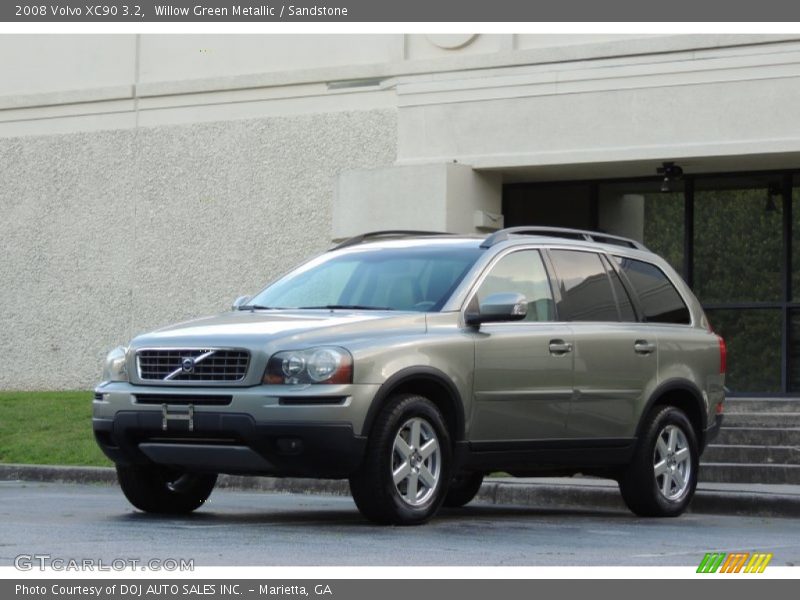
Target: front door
{"type": "Point", "coordinates": [523, 369]}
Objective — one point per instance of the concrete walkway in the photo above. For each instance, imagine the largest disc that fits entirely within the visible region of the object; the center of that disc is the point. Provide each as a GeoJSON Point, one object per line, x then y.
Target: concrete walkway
{"type": "Point", "coordinates": [582, 493]}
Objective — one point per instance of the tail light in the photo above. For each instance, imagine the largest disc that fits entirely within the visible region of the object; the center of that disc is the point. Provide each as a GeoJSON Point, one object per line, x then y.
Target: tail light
{"type": "Point", "coordinates": [723, 355]}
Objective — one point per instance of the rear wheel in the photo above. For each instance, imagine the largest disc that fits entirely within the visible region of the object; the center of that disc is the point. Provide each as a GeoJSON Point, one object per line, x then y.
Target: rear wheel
{"type": "Point", "coordinates": [661, 480]}
{"type": "Point", "coordinates": [157, 489]}
{"type": "Point", "coordinates": [403, 478]}
{"type": "Point", "coordinates": [463, 488]}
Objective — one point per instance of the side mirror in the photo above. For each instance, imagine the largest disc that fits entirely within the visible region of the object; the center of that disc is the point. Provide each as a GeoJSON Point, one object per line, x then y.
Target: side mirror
{"type": "Point", "coordinates": [240, 301]}
{"type": "Point", "coordinates": [507, 306]}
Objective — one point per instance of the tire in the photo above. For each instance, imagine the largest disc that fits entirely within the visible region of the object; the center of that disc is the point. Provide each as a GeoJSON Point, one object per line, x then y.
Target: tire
{"type": "Point", "coordinates": [661, 480]}
{"type": "Point", "coordinates": [463, 489]}
{"type": "Point", "coordinates": [156, 489]}
{"type": "Point", "coordinates": [407, 424]}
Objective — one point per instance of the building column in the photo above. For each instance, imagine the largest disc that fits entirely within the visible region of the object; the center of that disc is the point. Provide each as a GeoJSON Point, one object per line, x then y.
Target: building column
{"type": "Point", "coordinates": [447, 197]}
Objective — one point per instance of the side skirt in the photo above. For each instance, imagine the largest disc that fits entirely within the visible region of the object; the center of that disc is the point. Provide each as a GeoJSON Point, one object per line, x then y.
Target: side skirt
{"type": "Point", "coordinates": [549, 457]}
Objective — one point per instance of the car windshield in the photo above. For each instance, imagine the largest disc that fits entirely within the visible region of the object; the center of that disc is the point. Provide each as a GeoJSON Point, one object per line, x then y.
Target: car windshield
{"type": "Point", "coordinates": [410, 278]}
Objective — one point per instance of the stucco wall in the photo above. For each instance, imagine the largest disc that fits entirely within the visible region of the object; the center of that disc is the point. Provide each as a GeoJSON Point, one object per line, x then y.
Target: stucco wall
{"type": "Point", "coordinates": [145, 179]}
{"type": "Point", "coordinates": [107, 234]}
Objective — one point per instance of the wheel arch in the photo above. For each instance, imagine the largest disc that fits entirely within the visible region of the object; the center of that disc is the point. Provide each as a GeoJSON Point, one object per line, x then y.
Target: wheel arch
{"type": "Point", "coordinates": [683, 395]}
{"type": "Point", "coordinates": [430, 382]}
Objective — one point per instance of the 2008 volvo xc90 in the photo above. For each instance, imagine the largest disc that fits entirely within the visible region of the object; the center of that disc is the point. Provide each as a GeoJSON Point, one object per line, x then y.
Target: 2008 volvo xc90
{"type": "Point", "coordinates": [413, 363]}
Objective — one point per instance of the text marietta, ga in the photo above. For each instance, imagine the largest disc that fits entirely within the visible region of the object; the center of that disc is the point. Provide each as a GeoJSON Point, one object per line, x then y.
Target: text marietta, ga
{"type": "Point", "coordinates": [240, 10]}
{"type": "Point", "coordinates": [138, 590]}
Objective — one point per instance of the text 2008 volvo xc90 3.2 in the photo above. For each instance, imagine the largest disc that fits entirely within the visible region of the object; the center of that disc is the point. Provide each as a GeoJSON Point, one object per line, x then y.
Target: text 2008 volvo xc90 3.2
{"type": "Point", "coordinates": [414, 363]}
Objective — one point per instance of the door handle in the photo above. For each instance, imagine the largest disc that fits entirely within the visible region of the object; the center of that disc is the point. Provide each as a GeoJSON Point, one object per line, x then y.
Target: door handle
{"type": "Point", "coordinates": [559, 347]}
{"type": "Point", "coordinates": [643, 347]}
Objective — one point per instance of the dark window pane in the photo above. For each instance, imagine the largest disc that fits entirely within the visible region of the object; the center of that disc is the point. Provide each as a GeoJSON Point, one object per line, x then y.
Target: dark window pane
{"type": "Point", "coordinates": [626, 312]}
{"type": "Point", "coordinates": [794, 351]}
{"type": "Point", "coordinates": [559, 205]}
{"type": "Point", "coordinates": [664, 227]}
{"type": "Point", "coordinates": [523, 273]}
{"type": "Point", "coordinates": [585, 288]}
{"type": "Point", "coordinates": [753, 338]}
{"type": "Point", "coordinates": [796, 244]}
{"type": "Point", "coordinates": [738, 244]}
{"type": "Point", "coordinates": [660, 300]}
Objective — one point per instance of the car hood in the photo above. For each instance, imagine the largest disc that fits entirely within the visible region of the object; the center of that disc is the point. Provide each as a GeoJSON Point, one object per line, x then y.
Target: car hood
{"type": "Point", "coordinates": [257, 329]}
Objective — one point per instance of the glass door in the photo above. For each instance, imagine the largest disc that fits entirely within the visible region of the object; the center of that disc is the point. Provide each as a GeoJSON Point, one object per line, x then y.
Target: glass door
{"type": "Point", "coordinates": [793, 267]}
{"type": "Point", "coordinates": [738, 274]}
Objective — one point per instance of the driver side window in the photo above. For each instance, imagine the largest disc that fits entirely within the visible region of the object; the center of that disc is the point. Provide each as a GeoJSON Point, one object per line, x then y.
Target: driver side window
{"type": "Point", "coordinates": [522, 272]}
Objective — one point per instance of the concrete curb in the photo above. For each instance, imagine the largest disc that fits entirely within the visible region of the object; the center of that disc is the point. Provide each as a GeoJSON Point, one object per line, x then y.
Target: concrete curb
{"type": "Point", "coordinates": [54, 473]}
{"type": "Point", "coordinates": [569, 495]}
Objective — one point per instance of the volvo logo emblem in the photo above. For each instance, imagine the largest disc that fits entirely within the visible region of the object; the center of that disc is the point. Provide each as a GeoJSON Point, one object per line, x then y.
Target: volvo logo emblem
{"type": "Point", "coordinates": [187, 365]}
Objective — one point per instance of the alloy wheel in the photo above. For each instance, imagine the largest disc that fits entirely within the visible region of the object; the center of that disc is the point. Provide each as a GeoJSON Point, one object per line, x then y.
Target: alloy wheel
{"type": "Point", "coordinates": [416, 461]}
{"type": "Point", "coordinates": [672, 463]}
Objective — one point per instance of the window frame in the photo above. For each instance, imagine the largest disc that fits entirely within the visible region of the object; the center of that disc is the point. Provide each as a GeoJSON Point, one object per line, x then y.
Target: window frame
{"type": "Point", "coordinates": [612, 267]}
{"type": "Point", "coordinates": [476, 285]}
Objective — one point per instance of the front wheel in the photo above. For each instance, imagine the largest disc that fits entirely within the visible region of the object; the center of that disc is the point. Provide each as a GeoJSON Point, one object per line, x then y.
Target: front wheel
{"type": "Point", "coordinates": [661, 480]}
{"type": "Point", "coordinates": [403, 478]}
{"type": "Point", "coordinates": [157, 489]}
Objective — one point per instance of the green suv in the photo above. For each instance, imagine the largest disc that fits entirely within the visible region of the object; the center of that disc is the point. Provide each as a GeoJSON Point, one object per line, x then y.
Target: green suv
{"type": "Point", "coordinates": [413, 363]}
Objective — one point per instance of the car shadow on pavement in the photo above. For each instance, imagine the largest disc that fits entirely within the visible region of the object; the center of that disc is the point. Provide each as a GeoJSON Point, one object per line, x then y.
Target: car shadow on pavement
{"type": "Point", "coordinates": [314, 517]}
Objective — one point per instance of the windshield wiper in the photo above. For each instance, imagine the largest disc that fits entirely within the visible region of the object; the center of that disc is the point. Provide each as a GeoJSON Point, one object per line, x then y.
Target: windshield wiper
{"type": "Point", "coordinates": [347, 306]}
{"type": "Point", "coordinates": [256, 307]}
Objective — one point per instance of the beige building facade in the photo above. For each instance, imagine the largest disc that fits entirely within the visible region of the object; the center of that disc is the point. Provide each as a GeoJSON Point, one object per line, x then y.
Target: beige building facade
{"type": "Point", "coordinates": [151, 178]}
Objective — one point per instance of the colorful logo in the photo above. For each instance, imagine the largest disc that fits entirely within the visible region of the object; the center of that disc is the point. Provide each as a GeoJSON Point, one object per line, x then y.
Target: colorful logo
{"type": "Point", "coordinates": [734, 562]}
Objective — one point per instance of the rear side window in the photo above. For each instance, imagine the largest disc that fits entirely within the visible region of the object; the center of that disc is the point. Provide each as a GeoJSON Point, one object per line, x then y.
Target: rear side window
{"type": "Point", "coordinates": [660, 301]}
{"type": "Point", "coordinates": [586, 293]}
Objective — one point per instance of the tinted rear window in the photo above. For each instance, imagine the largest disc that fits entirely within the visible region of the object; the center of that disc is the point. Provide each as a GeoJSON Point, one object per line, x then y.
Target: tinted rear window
{"type": "Point", "coordinates": [659, 299]}
{"type": "Point", "coordinates": [586, 293]}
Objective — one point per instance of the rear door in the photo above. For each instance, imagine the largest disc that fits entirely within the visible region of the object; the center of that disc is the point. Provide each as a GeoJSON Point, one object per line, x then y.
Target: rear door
{"type": "Point", "coordinates": [616, 357]}
{"type": "Point", "coordinates": [523, 369]}
{"type": "Point", "coordinates": [665, 312]}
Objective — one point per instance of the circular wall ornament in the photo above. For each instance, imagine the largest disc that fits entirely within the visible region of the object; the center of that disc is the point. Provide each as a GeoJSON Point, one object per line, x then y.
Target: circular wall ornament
{"type": "Point", "coordinates": [451, 41]}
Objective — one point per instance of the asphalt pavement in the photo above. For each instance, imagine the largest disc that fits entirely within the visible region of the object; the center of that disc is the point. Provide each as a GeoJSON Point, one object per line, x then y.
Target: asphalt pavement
{"type": "Point", "coordinates": [745, 499]}
{"type": "Point", "coordinates": [255, 528]}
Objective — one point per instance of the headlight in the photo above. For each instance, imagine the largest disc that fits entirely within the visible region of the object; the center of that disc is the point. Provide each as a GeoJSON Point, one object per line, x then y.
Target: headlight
{"type": "Point", "coordinates": [115, 368]}
{"type": "Point", "coordinates": [328, 364]}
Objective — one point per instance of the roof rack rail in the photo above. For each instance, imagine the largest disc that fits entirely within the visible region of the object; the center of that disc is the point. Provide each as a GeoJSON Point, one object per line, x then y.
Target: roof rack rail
{"type": "Point", "coordinates": [575, 234]}
{"type": "Point", "coordinates": [358, 239]}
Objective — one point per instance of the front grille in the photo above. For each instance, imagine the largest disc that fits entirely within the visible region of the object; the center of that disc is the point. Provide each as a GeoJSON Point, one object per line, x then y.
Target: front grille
{"type": "Point", "coordinates": [192, 364]}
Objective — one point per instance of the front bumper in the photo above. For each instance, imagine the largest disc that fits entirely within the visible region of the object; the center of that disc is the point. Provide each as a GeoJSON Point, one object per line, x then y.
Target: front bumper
{"type": "Point", "coordinates": [263, 430]}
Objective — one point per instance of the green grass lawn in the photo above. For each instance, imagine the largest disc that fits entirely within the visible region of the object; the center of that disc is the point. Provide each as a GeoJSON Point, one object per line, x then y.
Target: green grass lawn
{"type": "Point", "coordinates": [48, 428]}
